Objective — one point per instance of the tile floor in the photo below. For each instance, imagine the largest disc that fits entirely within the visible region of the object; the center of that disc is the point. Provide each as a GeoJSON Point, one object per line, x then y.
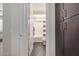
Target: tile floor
{"type": "Point", "coordinates": [39, 49]}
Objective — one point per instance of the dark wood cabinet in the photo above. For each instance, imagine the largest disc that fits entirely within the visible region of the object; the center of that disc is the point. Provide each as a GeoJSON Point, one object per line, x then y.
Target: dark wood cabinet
{"type": "Point", "coordinates": [71, 37]}
{"type": "Point", "coordinates": [70, 9]}
{"type": "Point", "coordinates": [67, 31]}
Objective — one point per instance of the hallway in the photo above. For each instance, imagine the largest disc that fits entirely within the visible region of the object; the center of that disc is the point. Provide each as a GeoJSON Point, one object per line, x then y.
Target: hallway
{"type": "Point", "coordinates": [39, 49]}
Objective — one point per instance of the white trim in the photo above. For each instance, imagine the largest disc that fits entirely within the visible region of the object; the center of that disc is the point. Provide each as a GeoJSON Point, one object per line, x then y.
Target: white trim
{"type": "Point", "coordinates": [50, 39]}
{"type": "Point", "coordinates": [27, 14]}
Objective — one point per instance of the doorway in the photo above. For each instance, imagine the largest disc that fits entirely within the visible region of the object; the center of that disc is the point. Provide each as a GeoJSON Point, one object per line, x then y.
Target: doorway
{"type": "Point", "coordinates": [37, 40]}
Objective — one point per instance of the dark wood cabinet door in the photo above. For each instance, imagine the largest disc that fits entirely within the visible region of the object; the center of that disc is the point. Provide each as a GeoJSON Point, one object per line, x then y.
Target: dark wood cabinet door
{"type": "Point", "coordinates": [67, 31]}
{"type": "Point", "coordinates": [71, 37]}
{"type": "Point", "coordinates": [71, 9]}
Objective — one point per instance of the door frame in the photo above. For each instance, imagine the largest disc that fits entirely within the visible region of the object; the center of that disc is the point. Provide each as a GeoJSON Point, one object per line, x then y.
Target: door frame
{"type": "Point", "coordinates": [50, 30]}
{"type": "Point", "coordinates": [50, 39]}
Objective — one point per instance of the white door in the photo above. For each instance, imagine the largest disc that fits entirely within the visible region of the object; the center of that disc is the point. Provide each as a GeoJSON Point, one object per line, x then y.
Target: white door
{"type": "Point", "coordinates": [15, 39]}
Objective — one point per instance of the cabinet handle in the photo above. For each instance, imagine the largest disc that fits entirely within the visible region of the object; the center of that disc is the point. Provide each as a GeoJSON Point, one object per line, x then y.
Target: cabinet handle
{"type": "Point", "coordinates": [65, 26]}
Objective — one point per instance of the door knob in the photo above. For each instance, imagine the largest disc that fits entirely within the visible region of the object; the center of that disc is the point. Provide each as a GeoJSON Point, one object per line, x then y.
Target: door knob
{"type": "Point", "coordinates": [20, 35]}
